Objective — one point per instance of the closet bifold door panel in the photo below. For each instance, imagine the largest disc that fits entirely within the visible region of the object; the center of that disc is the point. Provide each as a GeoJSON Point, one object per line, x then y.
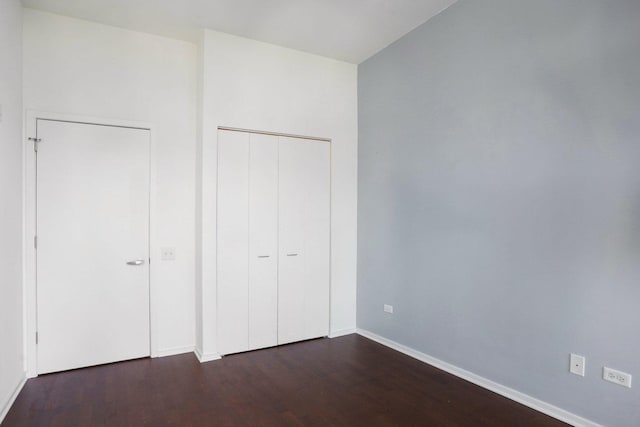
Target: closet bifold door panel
{"type": "Point", "coordinates": [263, 241]}
{"type": "Point", "coordinates": [273, 244]}
{"type": "Point", "coordinates": [304, 239]}
{"type": "Point", "coordinates": [233, 242]}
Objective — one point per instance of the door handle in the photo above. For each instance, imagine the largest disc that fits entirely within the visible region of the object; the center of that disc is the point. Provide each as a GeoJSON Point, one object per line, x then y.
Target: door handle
{"type": "Point", "coordinates": [292, 254]}
{"type": "Point", "coordinates": [136, 262]}
{"type": "Point", "coordinates": [263, 256]}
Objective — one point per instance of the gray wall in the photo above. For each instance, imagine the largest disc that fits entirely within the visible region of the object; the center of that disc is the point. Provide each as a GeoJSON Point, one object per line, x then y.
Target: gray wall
{"type": "Point", "coordinates": [499, 196]}
{"type": "Point", "coordinates": [11, 355]}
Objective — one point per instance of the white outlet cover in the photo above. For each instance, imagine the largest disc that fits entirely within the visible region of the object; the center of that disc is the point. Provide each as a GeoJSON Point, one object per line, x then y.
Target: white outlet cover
{"type": "Point", "coordinates": [616, 377]}
{"type": "Point", "coordinates": [577, 364]}
{"type": "Point", "coordinates": [388, 308]}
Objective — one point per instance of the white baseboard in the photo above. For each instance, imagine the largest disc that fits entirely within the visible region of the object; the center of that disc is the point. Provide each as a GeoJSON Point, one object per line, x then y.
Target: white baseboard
{"type": "Point", "coordinates": [531, 402]}
{"type": "Point", "coordinates": [342, 333]}
{"type": "Point", "coordinates": [12, 398]}
{"type": "Point", "coordinates": [206, 357]}
{"type": "Point", "coordinates": [173, 351]}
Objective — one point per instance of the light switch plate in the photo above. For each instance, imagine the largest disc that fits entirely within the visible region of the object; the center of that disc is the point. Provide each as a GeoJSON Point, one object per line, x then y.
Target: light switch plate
{"type": "Point", "coordinates": [168, 254]}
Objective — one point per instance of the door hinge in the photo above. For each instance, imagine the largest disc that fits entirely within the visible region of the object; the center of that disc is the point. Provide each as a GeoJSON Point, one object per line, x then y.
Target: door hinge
{"type": "Point", "coordinates": [36, 338]}
{"type": "Point", "coordinates": [35, 242]}
{"type": "Point", "coordinates": [35, 143]}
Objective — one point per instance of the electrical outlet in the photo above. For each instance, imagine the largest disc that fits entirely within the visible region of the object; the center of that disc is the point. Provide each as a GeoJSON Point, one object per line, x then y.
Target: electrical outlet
{"type": "Point", "coordinates": [168, 254]}
{"type": "Point", "coordinates": [616, 377]}
{"type": "Point", "coordinates": [577, 364]}
{"type": "Point", "coordinates": [388, 308]}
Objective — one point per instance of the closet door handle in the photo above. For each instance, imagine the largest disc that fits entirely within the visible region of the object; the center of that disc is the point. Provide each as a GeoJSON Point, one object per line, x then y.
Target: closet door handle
{"type": "Point", "coordinates": [263, 256]}
{"type": "Point", "coordinates": [292, 254]}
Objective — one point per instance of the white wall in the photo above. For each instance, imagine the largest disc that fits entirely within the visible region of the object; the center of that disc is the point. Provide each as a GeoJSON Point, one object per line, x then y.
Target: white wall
{"type": "Point", "coordinates": [82, 68]}
{"type": "Point", "coordinates": [11, 348]}
{"type": "Point", "coordinates": [254, 85]}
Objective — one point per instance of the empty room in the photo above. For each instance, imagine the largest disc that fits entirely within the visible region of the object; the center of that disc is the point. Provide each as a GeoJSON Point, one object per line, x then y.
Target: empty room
{"type": "Point", "coordinates": [319, 212]}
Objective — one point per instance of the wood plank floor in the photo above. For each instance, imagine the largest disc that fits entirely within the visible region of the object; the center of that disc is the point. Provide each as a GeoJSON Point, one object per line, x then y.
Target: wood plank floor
{"type": "Point", "coordinates": [347, 381]}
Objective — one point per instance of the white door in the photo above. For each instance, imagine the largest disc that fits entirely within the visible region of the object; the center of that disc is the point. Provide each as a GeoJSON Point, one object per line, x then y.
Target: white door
{"type": "Point", "coordinates": [304, 239]}
{"type": "Point", "coordinates": [233, 242]}
{"type": "Point", "coordinates": [93, 244]}
{"type": "Point", "coordinates": [263, 241]}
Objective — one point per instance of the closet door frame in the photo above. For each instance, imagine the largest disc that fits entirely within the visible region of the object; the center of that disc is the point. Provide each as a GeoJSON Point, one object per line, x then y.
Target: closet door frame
{"type": "Point", "coordinates": [279, 135]}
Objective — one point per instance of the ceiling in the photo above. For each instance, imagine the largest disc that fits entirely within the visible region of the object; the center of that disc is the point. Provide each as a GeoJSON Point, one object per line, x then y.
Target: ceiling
{"type": "Point", "coordinates": [348, 30]}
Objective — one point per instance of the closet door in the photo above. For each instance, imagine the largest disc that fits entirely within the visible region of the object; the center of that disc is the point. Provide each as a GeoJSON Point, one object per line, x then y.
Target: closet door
{"type": "Point", "coordinates": [304, 239]}
{"type": "Point", "coordinates": [263, 241]}
{"type": "Point", "coordinates": [233, 241]}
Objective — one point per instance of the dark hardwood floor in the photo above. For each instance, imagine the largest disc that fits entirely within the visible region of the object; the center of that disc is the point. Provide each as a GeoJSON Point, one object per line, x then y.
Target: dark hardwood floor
{"type": "Point", "coordinates": [347, 381]}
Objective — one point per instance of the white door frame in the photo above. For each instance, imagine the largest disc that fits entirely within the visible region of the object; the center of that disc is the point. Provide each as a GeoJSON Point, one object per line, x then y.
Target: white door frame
{"type": "Point", "coordinates": [29, 227]}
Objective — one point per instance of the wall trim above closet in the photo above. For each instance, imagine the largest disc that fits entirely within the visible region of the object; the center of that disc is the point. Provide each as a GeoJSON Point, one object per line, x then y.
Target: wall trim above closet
{"type": "Point", "coordinates": [262, 132]}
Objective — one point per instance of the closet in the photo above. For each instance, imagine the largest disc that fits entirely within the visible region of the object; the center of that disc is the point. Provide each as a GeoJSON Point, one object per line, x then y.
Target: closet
{"type": "Point", "coordinates": [273, 240]}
